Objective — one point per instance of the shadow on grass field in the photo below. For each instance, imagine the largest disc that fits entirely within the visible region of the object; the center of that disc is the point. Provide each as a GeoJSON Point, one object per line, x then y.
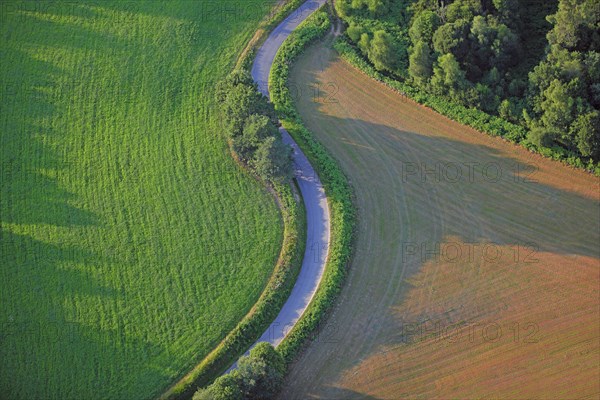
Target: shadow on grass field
{"type": "Point", "coordinates": [476, 269]}
{"type": "Point", "coordinates": [125, 226]}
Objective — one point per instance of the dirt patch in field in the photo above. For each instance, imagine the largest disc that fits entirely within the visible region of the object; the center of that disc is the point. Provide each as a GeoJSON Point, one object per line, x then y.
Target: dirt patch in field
{"type": "Point", "coordinates": [477, 262]}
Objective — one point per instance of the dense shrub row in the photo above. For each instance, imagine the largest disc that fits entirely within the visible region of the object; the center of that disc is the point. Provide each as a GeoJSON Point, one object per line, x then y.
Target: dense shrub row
{"type": "Point", "coordinates": [288, 265]}
{"type": "Point", "coordinates": [251, 127]}
{"type": "Point", "coordinates": [336, 185]}
{"type": "Point", "coordinates": [473, 117]}
{"type": "Point", "coordinates": [309, 31]}
{"type": "Point", "coordinates": [258, 376]}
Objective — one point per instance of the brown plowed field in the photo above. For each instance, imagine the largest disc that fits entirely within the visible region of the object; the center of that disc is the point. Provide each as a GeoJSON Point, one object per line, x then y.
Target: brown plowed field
{"type": "Point", "coordinates": [477, 263]}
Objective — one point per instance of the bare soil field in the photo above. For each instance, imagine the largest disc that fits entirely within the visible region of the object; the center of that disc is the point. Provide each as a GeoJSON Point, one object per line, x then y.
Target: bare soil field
{"type": "Point", "coordinates": [476, 269]}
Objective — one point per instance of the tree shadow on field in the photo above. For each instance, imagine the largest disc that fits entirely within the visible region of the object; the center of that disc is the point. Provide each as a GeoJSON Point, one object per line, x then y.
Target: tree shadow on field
{"type": "Point", "coordinates": [63, 315]}
{"type": "Point", "coordinates": [487, 202]}
{"type": "Point", "coordinates": [418, 184]}
{"type": "Point", "coordinates": [52, 343]}
{"type": "Point", "coordinates": [45, 292]}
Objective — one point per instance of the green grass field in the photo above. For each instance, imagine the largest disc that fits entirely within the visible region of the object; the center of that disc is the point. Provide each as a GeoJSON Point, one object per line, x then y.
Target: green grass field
{"type": "Point", "coordinates": [130, 241]}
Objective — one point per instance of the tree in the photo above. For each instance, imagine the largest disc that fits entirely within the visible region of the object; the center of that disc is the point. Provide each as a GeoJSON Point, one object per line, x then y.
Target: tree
{"type": "Point", "coordinates": [421, 63]}
{"type": "Point", "coordinates": [355, 32]}
{"type": "Point", "coordinates": [272, 357]}
{"type": "Point", "coordinates": [375, 7]}
{"type": "Point", "coordinates": [272, 159]}
{"type": "Point", "coordinates": [382, 51]}
{"type": "Point", "coordinates": [226, 387]}
{"type": "Point", "coordinates": [423, 27]}
{"type": "Point", "coordinates": [511, 109]}
{"type": "Point", "coordinates": [557, 107]}
{"type": "Point", "coordinates": [364, 44]}
{"type": "Point", "coordinates": [261, 373]}
{"type": "Point", "coordinates": [586, 132]}
{"type": "Point", "coordinates": [239, 97]}
{"type": "Point", "coordinates": [566, 23]}
{"type": "Point", "coordinates": [235, 78]}
{"type": "Point", "coordinates": [256, 129]}
{"type": "Point", "coordinates": [494, 44]}
{"type": "Point", "coordinates": [343, 8]}
{"type": "Point", "coordinates": [452, 38]}
{"type": "Point", "coordinates": [541, 136]}
{"type": "Point", "coordinates": [448, 76]}
{"type": "Point", "coordinates": [463, 9]}
{"type": "Point", "coordinates": [258, 376]}
{"type": "Point", "coordinates": [508, 12]}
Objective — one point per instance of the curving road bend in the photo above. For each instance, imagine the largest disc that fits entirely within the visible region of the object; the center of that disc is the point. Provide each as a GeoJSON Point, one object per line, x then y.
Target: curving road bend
{"type": "Point", "coordinates": [315, 201]}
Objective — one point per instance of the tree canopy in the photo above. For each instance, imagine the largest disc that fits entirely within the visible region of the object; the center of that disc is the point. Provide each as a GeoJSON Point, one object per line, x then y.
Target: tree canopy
{"type": "Point", "coordinates": [489, 54]}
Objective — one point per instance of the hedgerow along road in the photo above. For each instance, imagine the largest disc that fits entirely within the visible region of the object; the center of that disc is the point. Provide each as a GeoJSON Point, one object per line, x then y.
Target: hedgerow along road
{"type": "Point", "coordinates": [315, 200]}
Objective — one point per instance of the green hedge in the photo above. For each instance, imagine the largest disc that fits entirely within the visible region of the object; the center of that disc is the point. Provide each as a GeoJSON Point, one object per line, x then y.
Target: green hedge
{"type": "Point", "coordinates": [279, 287]}
{"type": "Point", "coordinates": [339, 194]}
{"type": "Point", "coordinates": [492, 125]}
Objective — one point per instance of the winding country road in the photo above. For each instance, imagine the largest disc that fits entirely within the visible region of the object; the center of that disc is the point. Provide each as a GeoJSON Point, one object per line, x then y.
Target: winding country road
{"type": "Point", "coordinates": [315, 201]}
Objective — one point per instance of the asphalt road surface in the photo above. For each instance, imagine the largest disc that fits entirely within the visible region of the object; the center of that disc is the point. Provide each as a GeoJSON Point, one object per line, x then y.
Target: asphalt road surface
{"type": "Point", "coordinates": [315, 201]}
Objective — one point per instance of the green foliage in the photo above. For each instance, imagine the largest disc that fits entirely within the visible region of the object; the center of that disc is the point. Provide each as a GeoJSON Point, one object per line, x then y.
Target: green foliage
{"type": "Point", "coordinates": [382, 51]}
{"type": "Point", "coordinates": [257, 128]}
{"type": "Point", "coordinates": [448, 77]}
{"type": "Point", "coordinates": [452, 38]}
{"type": "Point", "coordinates": [511, 110]}
{"type": "Point", "coordinates": [541, 137]}
{"type": "Point", "coordinates": [261, 373]}
{"type": "Point", "coordinates": [463, 9]}
{"type": "Point", "coordinates": [563, 88]}
{"type": "Point", "coordinates": [586, 132]}
{"type": "Point", "coordinates": [508, 12]}
{"type": "Point", "coordinates": [249, 117]}
{"type": "Point", "coordinates": [355, 31]}
{"type": "Point", "coordinates": [345, 8]}
{"type": "Point", "coordinates": [273, 159]}
{"type": "Point", "coordinates": [423, 27]}
{"type": "Point", "coordinates": [365, 43]}
{"type": "Point", "coordinates": [310, 30]}
{"type": "Point", "coordinates": [494, 45]}
{"type": "Point", "coordinates": [421, 63]}
{"type": "Point", "coordinates": [575, 25]}
{"type": "Point", "coordinates": [484, 54]}
{"type": "Point", "coordinates": [257, 376]}
{"type": "Point", "coordinates": [225, 387]}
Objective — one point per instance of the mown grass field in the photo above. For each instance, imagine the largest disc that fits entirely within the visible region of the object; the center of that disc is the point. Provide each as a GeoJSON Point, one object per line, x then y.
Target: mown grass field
{"type": "Point", "coordinates": [477, 268]}
{"type": "Point", "coordinates": [130, 241]}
